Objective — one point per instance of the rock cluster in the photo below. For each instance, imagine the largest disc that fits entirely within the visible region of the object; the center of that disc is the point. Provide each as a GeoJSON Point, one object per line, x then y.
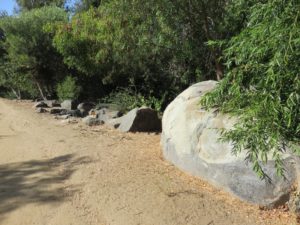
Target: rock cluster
{"type": "Point", "coordinates": [137, 120]}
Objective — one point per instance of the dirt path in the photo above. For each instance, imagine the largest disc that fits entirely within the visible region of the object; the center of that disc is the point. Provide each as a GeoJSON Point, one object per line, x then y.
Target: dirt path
{"type": "Point", "coordinates": [57, 174]}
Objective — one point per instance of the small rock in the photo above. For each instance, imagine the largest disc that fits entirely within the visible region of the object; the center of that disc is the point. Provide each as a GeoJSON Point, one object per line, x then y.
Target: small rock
{"type": "Point", "coordinates": [106, 114]}
{"type": "Point", "coordinates": [62, 117]}
{"type": "Point", "coordinates": [74, 113]}
{"type": "Point", "coordinates": [40, 105]}
{"type": "Point", "coordinates": [40, 110]}
{"type": "Point", "coordinates": [91, 121]}
{"type": "Point", "coordinates": [52, 103]}
{"type": "Point", "coordinates": [93, 112]}
{"type": "Point", "coordinates": [85, 107]}
{"type": "Point", "coordinates": [69, 120]}
{"type": "Point", "coordinates": [56, 110]}
{"type": "Point", "coordinates": [69, 104]}
{"type": "Point", "coordinates": [294, 203]}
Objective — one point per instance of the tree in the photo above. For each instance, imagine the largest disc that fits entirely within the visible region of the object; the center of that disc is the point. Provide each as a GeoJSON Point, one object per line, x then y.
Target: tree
{"type": "Point", "coordinates": [262, 84]}
{"type": "Point", "coordinates": [142, 43]}
{"type": "Point", "coordinates": [84, 5]}
{"type": "Point", "coordinates": [32, 4]}
{"type": "Point", "coordinates": [30, 55]}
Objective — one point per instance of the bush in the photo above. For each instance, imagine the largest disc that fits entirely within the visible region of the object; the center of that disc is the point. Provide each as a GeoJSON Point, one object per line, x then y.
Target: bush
{"type": "Point", "coordinates": [68, 89]}
{"type": "Point", "coordinates": [127, 99]}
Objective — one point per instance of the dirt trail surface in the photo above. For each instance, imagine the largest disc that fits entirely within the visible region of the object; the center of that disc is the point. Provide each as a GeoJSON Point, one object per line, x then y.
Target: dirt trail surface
{"type": "Point", "coordinates": [53, 173]}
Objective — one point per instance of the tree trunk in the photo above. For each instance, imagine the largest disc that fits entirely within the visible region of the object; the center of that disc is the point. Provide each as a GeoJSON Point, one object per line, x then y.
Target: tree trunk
{"type": "Point", "coordinates": [16, 93]}
{"type": "Point", "coordinates": [19, 93]}
{"type": "Point", "coordinates": [219, 69]}
{"type": "Point", "coordinates": [215, 53]}
{"type": "Point", "coordinates": [41, 91]}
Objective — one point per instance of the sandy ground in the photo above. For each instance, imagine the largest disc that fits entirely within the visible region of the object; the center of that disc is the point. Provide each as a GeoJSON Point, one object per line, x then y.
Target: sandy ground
{"type": "Point", "coordinates": [69, 174]}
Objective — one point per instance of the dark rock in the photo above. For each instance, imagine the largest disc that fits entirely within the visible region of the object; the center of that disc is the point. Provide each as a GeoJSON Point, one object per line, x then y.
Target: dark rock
{"type": "Point", "coordinates": [85, 107]}
{"type": "Point", "coordinates": [62, 117]}
{"type": "Point", "coordinates": [74, 113]}
{"type": "Point", "coordinates": [140, 120]}
{"type": "Point", "coordinates": [107, 114]}
{"type": "Point", "coordinates": [40, 104]}
{"type": "Point", "coordinates": [92, 121]}
{"type": "Point", "coordinates": [40, 110]}
{"type": "Point", "coordinates": [69, 104]}
{"type": "Point", "coordinates": [294, 203]}
{"type": "Point", "coordinates": [56, 110]}
{"type": "Point", "coordinates": [52, 103]}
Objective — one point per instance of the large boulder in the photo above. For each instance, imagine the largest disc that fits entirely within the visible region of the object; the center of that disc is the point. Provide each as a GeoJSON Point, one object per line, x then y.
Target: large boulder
{"type": "Point", "coordinates": [190, 140]}
{"type": "Point", "coordinates": [114, 123]}
{"type": "Point", "coordinates": [140, 120]}
{"type": "Point", "coordinates": [69, 104]}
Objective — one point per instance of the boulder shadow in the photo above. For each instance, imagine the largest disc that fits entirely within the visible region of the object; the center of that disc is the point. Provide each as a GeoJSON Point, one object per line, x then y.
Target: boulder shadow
{"type": "Point", "coordinates": [37, 182]}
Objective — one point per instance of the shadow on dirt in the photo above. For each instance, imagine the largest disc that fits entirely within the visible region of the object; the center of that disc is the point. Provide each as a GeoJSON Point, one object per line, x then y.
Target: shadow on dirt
{"type": "Point", "coordinates": [6, 136]}
{"type": "Point", "coordinates": [37, 181]}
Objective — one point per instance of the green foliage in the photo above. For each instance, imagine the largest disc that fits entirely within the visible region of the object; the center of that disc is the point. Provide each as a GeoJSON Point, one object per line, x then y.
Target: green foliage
{"type": "Point", "coordinates": [32, 4]}
{"type": "Point", "coordinates": [29, 55]}
{"type": "Point", "coordinates": [127, 99]}
{"type": "Point", "coordinates": [68, 89]}
{"type": "Point", "coordinates": [142, 43]}
{"type": "Point", "coordinates": [262, 84]}
{"type": "Point", "coordinates": [84, 5]}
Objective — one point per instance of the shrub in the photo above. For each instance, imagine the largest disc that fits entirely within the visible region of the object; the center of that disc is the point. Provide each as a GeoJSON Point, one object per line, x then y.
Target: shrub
{"type": "Point", "coordinates": [68, 89]}
{"type": "Point", "coordinates": [126, 99]}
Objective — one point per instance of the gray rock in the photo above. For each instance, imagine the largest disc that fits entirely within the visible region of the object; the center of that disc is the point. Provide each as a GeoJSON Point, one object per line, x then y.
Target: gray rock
{"type": "Point", "coordinates": [294, 203]}
{"type": "Point", "coordinates": [140, 120]}
{"type": "Point", "coordinates": [69, 104]}
{"type": "Point", "coordinates": [92, 121]}
{"type": "Point", "coordinates": [40, 104]}
{"type": "Point", "coordinates": [74, 113]}
{"type": "Point", "coordinates": [115, 123]}
{"type": "Point", "coordinates": [107, 114]}
{"type": "Point", "coordinates": [52, 103]}
{"type": "Point", "coordinates": [85, 107]}
{"type": "Point", "coordinates": [69, 120]}
{"type": "Point", "coordinates": [62, 117]}
{"type": "Point", "coordinates": [56, 110]}
{"type": "Point", "coordinates": [190, 140]}
{"type": "Point", "coordinates": [40, 110]}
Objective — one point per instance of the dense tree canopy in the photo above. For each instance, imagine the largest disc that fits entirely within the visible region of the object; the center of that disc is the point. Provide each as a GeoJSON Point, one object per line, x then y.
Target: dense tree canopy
{"type": "Point", "coordinates": [130, 42]}
{"type": "Point", "coordinates": [30, 55]}
{"type": "Point", "coordinates": [83, 5]}
{"type": "Point", "coordinates": [32, 4]}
